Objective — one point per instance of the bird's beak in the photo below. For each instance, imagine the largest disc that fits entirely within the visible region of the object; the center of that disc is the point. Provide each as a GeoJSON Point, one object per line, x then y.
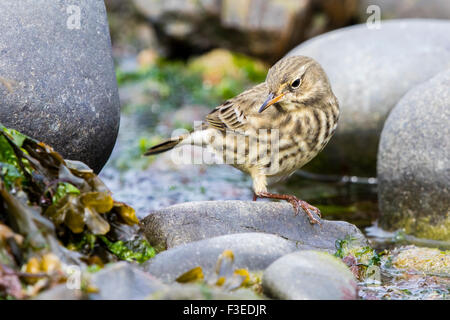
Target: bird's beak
{"type": "Point", "coordinates": [271, 99]}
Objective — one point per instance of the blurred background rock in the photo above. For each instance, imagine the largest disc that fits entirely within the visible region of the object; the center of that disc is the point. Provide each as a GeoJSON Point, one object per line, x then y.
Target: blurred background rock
{"type": "Point", "coordinates": [400, 9]}
{"type": "Point", "coordinates": [260, 28]}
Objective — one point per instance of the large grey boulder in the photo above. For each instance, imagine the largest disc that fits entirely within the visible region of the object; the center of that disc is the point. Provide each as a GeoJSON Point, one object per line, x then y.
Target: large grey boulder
{"type": "Point", "coordinates": [59, 83]}
{"type": "Point", "coordinates": [414, 162]}
{"type": "Point", "coordinates": [194, 221]}
{"type": "Point", "coordinates": [309, 275]}
{"type": "Point", "coordinates": [370, 70]}
{"type": "Point", "coordinates": [252, 251]}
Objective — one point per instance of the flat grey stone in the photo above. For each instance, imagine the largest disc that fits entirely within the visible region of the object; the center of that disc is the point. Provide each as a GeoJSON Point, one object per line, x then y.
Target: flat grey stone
{"type": "Point", "coordinates": [61, 292]}
{"type": "Point", "coordinates": [192, 221]}
{"type": "Point", "coordinates": [123, 281]}
{"type": "Point", "coordinates": [309, 275]}
{"type": "Point", "coordinates": [252, 251]}
{"type": "Point", "coordinates": [370, 70]}
{"type": "Point", "coordinates": [59, 83]}
{"type": "Point", "coordinates": [200, 292]}
{"type": "Point", "coordinates": [414, 162]}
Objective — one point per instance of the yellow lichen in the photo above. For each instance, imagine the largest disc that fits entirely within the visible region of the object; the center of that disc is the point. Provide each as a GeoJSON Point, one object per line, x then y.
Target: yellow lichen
{"type": "Point", "coordinates": [423, 228]}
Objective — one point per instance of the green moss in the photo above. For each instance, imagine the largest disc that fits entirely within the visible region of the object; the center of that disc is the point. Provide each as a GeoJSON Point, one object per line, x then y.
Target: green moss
{"type": "Point", "coordinates": [424, 227]}
{"type": "Point", "coordinates": [10, 175]}
{"type": "Point", "coordinates": [10, 169]}
{"type": "Point", "coordinates": [63, 189]}
{"type": "Point", "coordinates": [177, 83]}
{"type": "Point", "coordinates": [363, 261]}
{"type": "Point", "coordinates": [364, 255]}
{"type": "Point", "coordinates": [94, 268]}
{"type": "Point", "coordinates": [253, 69]}
{"type": "Point", "coordinates": [139, 251]}
{"type": "Point", "coordinates": [85, 242]}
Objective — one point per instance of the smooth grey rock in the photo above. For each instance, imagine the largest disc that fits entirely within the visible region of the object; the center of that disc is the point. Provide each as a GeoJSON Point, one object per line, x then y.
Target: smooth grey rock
{"type": "Point", "coordinates": [370, 70]}
{"type": "Point", "coordinates": [201, 292]}
{"type": "Point", "coordinates": [414, 162]}
{"type": "Point", "coordinates": [401, 9]}
{"type": "Point", "coordinates": [252, 251]}
{"type": "Point", "coordinates": [61, 292]}
{"type": "Point", "coordinates": [60, 83]}
{"type": "Point", "coordinates": [309, 275]}
{"type": "Point", "coordinates": [123, 281]}
{"type": "Point", "coordinates": [193, 221]}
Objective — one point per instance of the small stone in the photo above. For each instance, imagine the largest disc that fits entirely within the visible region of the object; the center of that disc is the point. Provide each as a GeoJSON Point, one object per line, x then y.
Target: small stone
{"type": "Point", "coordinates": [123, 281]}
{"type": "Point", "coordinates": [252, 251]}
{"type": "Point", "coordinates": [201, 292]}
{"type": "Point", "coordinates": [61, 292]}
{"type": "Point", "coordinates": [309, 275]}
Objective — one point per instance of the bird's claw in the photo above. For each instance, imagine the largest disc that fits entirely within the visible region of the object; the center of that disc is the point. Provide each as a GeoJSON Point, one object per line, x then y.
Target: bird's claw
{"type": "Point", "coordinates": [297, 203]}
{"type": "Point", "coordinates": [312, 208]}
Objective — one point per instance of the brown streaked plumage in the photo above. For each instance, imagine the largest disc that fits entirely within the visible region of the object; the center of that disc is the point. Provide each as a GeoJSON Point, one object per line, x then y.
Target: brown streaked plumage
{"type": "Point", "coordinates": [274, 128]}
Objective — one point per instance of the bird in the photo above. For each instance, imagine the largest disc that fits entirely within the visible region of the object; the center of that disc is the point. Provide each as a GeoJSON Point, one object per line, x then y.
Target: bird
{"type": "Point", "coordinates": [272, 129]}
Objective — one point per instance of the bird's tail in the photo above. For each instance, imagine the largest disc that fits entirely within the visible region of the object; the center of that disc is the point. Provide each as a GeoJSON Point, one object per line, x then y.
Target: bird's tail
{"type": "Point", "coordinates": [164, 146]}
{"type": "Point", "coordinates": [195, 137]}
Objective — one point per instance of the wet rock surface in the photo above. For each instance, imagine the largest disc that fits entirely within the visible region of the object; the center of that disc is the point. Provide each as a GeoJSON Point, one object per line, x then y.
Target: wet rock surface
{"type": "Point", "coordinates": [369, 79]}
{"type": "Point", "coordinates": [200, 292]}
{"type": "Point", "coordinates": [414, 162]}
{"type": "Point", "coordinates": [60, 84]}
{"type": "Point", "coordinates": [194, 221]}
{"type": "Point", "coordinates": [123, 281]}
{"type": "Point", "coordinates": [118, 281]}
{"type": "Point", "coordinates": [309, 275]}
{"type": "Point", "coordinates": [252, 251]}
{"type": "Point", "coordinates": [61, 292]}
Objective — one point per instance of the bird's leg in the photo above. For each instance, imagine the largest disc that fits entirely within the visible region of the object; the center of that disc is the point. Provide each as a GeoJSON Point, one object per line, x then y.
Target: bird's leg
{"type": "Point", "coordinates": [296, 203]}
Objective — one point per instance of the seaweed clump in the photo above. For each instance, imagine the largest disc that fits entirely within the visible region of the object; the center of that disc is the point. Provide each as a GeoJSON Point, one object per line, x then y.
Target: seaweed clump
{"type": "Point", "coordinates": [54, 214]}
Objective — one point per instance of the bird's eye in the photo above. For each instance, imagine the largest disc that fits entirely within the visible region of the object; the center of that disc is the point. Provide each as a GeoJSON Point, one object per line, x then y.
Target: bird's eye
{"type": "Point", "coordinates": [296, 83]}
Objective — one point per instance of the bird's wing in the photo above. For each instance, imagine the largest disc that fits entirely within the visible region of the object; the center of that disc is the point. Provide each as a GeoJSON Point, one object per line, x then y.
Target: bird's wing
{"type": "Point", "coordinates": [233, 114]}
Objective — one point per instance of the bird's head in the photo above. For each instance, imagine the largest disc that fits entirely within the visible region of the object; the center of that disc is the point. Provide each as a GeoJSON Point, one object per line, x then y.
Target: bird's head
{"type": "Point", "coordinates": [295, 82]}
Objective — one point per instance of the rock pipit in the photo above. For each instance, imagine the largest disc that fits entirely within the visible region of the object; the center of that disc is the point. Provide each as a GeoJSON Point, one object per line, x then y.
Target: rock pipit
{"type": "Point", "coordinates": [272, 129]}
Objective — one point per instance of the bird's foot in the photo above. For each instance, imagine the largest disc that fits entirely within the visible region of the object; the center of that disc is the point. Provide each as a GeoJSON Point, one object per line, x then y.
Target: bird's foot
{"type": "Point", "coordinates": [297, 204]}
